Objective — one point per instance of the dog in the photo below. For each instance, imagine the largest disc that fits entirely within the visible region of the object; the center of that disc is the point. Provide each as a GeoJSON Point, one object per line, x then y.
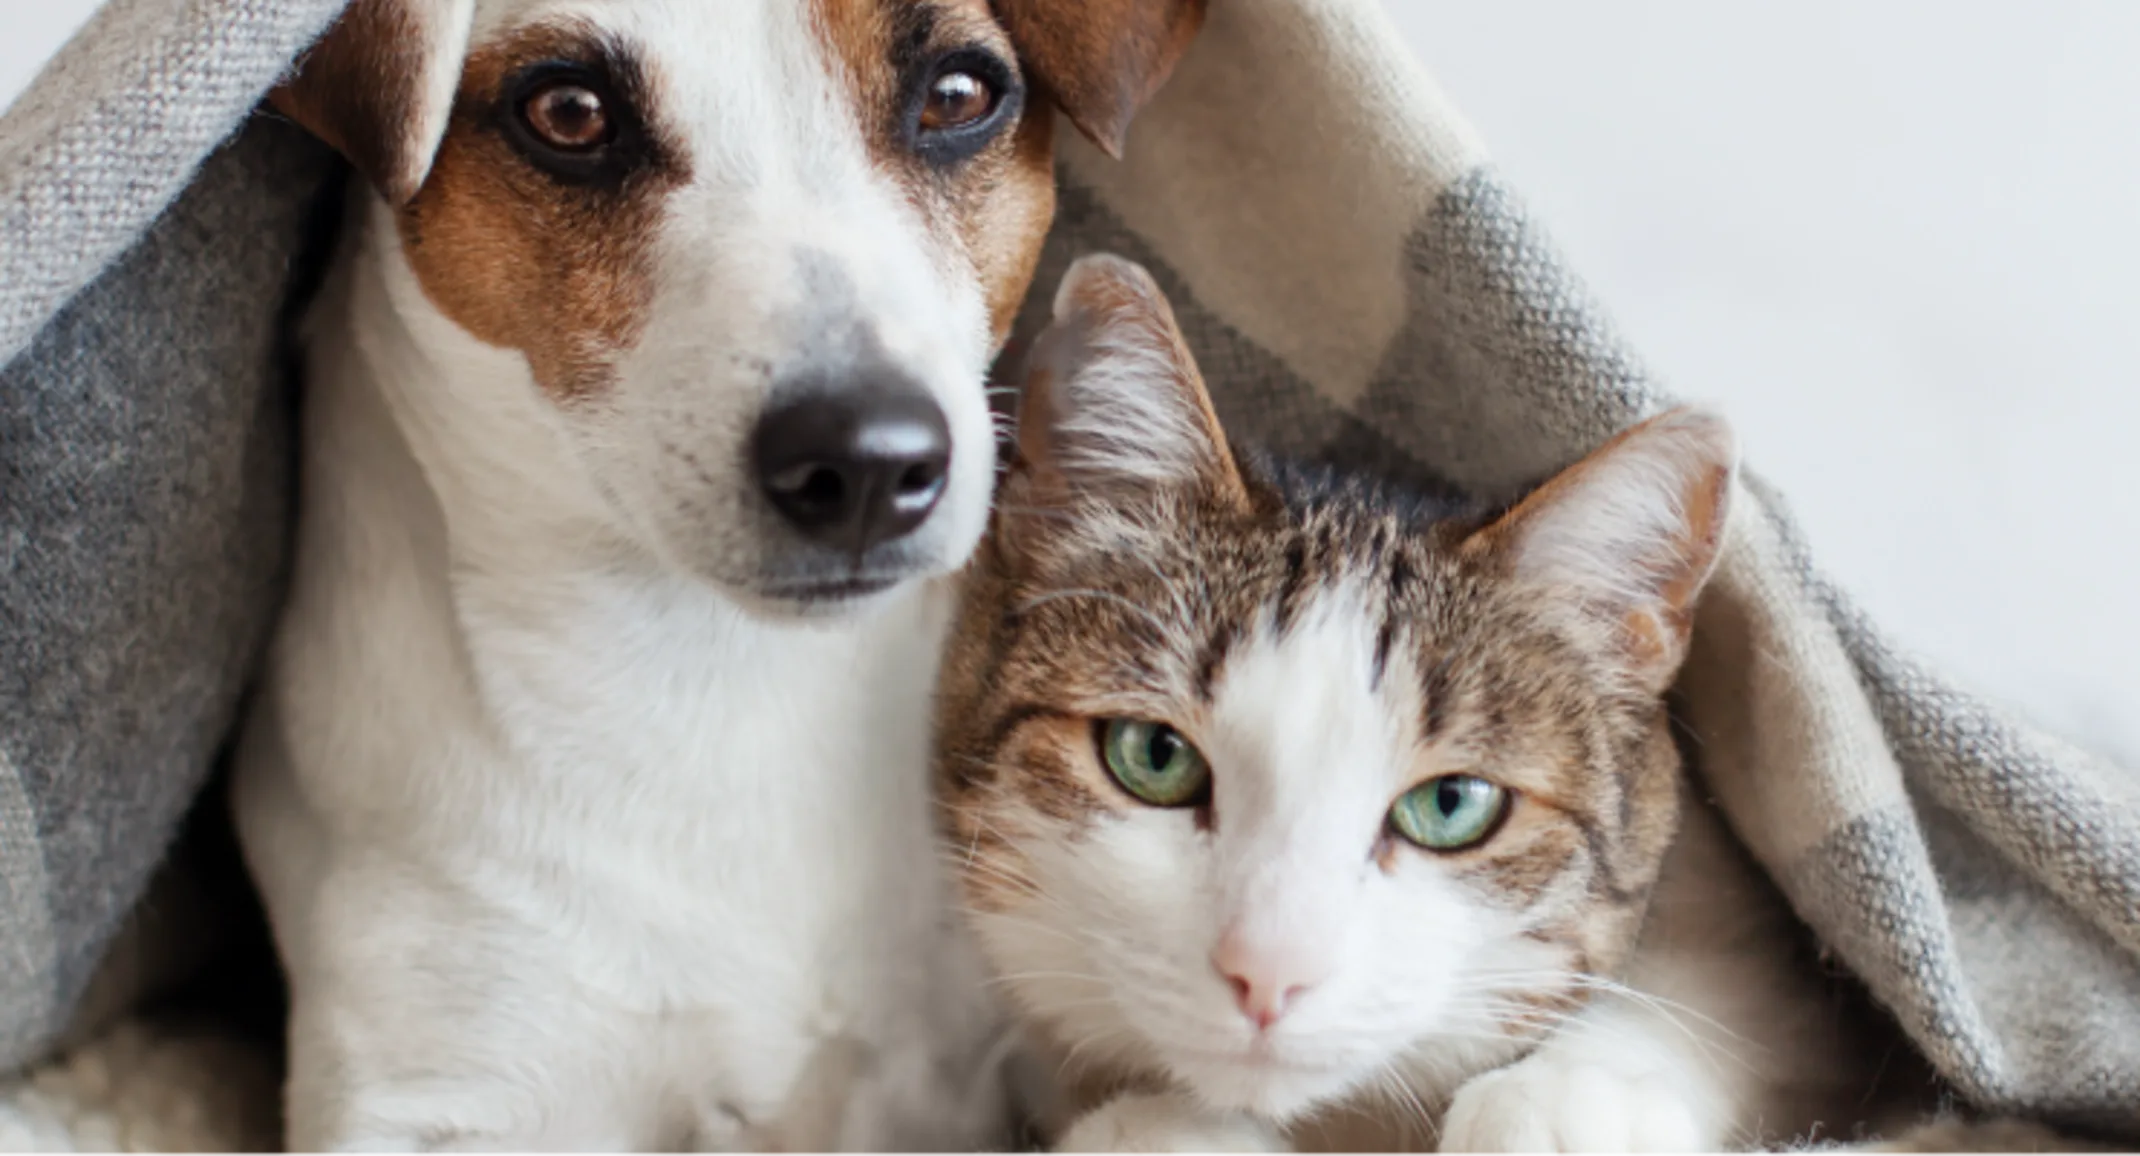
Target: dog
{"type": "Point", "coordinates": [587, 787]}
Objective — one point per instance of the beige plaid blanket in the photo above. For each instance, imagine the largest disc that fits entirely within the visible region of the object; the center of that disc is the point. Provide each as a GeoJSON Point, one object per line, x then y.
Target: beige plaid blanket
{"type": "Point", "coordinates": [1357, 281]}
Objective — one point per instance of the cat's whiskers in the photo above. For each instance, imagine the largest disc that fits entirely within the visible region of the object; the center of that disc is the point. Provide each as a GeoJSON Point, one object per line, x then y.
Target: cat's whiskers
{"type": "Point", "coordinates": [1071, 935]}
{"type": "Point", "coordinates": [1670, 1011]}
{"type": "Point", "coordinates": [1075, 932]}
{"type": "Point", "coordinates": [970, 814]}
{"type": "Point", "coordinates": [1013, 876]}
{"type": "Point", "coordinates": [1676, 1014]}
{"type": "Point", "coordinates": [1115, 1044]}
{"type": "Point", "coordinates": [1159, 971]}
{"type": "Point", "coordinates": [1407, 1102]}
{"type": "Point", "coordinates": [999, 834]}
{"type": "Point", "coordinates": [969, 862]}
{"type": "Point", "coordinates": [1510, 1011]}
{"type": "Point", "coordinates": [1029, 976]}
{"type": "Point", "coordinates": [1057, 1006]}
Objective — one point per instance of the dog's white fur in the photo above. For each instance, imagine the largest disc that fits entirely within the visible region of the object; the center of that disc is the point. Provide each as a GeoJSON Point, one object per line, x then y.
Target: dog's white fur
{"type": "Point", "coordinates": [570, 835]}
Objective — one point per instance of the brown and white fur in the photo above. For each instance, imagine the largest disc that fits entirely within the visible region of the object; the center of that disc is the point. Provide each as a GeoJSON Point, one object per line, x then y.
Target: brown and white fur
{"type": "Point", "coordinates": [1273, 964]}
{"type": "Point", "coordinates": [588, 796]}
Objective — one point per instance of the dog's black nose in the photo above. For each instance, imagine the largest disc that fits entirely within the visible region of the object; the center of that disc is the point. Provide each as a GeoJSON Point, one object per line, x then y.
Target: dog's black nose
{"type": "Point", "coordinates": [854, 468]}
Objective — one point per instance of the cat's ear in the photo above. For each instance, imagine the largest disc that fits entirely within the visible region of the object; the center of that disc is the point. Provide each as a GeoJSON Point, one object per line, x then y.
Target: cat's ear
{"type": "Point", "coordinates": [1114, 407]}
{"type": "Point", "coordinates": [1630, 534]}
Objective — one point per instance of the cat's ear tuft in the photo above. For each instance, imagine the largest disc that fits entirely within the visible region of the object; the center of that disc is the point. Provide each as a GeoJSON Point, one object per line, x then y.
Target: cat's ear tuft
{"type": "Point", "coordinates": [1631, 533]}
{"type": "Point", "coordinates": [1114, 407]}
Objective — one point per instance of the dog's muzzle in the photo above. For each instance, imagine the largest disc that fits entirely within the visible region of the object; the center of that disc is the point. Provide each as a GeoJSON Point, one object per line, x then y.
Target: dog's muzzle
{"type": "Point", "coordinates": [852, 471]}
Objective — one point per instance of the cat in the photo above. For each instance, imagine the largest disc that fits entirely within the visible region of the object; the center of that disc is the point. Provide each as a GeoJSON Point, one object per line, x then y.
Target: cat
{"type": "Point", "coordinates": [1295, 810]}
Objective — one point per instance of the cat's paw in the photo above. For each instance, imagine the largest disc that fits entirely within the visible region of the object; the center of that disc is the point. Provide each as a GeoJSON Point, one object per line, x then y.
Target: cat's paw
{"type": "Point", "coordinates": [1551, 1103]}
{"type": "Point", "coordinates": [1165, 1122]}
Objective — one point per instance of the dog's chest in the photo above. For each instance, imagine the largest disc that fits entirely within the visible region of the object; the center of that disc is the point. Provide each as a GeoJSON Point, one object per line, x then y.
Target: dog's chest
{"type": "Point", "coordinates": [715, 802]}
{"type": "Point", "coordinates": [722, 833]}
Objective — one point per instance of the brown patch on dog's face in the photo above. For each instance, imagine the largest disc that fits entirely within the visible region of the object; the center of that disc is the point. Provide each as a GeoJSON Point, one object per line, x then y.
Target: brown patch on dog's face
{"type": "Point", "coordinates": [554, 261]}
{"type": "Point", "coordinates": [538, 249]}
{"type": "Point", "coordinates": [984, 187]}
{"type": "Point", "coordinates": [1005, 225]}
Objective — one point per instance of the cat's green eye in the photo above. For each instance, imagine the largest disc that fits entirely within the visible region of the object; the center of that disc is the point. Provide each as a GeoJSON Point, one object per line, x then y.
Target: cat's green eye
{"type": "Point", "coordinates": [1153, 762]}
{"type": "Point", "coordinates": [1449, 813]}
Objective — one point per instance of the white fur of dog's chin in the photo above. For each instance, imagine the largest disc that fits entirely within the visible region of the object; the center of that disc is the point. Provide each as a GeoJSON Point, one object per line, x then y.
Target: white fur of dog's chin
{"type": "Point", "coordinates": [822, 612]}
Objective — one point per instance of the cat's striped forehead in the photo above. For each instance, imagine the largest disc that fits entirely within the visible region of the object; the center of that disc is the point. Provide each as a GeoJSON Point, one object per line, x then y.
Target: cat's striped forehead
{"type": "Point", "coordinates": [1158, 611]}
{"type": "Point", "coordinates": [1151, 607]}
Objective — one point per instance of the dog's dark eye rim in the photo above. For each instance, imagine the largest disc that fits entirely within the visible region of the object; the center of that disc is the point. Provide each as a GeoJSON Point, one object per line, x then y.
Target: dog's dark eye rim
{"type": "Point", "coordinates": [598, 163]}
{"type": "Point", "coordinates": [957, 142]}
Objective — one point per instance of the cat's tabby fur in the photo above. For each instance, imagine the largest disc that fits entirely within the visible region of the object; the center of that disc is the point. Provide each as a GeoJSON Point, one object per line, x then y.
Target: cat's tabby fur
{"type": "Point", "coordinates": [1603, 971]}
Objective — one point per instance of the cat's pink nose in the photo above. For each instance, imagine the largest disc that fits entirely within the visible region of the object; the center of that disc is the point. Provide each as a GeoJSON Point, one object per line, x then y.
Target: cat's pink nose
{"type": "Point", "coordinates": [1266, 983]}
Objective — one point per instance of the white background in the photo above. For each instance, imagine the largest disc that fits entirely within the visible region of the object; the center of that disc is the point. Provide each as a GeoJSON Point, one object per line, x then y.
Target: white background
{"type": "Point", "coordinates": [1897, 240]}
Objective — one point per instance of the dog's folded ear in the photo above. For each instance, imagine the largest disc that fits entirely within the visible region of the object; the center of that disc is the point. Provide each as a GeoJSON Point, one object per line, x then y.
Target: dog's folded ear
{"type": "Point", "coordinates": [379, 86]}
{"type": "Point", "coordinates": [1101, 59]}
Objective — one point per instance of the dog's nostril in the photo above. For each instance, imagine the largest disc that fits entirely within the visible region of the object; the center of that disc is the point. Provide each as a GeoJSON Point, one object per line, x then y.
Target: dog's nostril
{"type": "Point", "coordinates": [854, 467]}
{"type": "Point", "coordinates": [808, 484]}
{"type": "Point", "coordinates": [918, 478]}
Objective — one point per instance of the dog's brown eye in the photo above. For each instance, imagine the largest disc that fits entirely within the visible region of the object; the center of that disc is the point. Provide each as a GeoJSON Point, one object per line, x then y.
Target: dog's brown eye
{"type": "Point", "coordinates": [567, 116]}
{"type": "Point", "coordinates": [956, 99]}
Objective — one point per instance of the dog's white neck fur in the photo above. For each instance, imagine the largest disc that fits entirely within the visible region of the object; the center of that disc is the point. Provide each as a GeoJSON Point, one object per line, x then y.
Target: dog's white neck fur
{"type": "Point", "coordinates": [579, 850]}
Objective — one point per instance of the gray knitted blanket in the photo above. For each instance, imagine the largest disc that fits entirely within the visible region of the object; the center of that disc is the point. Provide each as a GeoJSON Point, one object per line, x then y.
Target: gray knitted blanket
{"type": "Point", "coordinates": [1356, 280]}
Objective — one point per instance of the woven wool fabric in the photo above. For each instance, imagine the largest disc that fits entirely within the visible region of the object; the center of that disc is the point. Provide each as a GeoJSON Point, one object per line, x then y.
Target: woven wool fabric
{"type": "Point", "coordinates": [146, 451]}
{"type": "Point", "coordinates": [1357, 282]}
